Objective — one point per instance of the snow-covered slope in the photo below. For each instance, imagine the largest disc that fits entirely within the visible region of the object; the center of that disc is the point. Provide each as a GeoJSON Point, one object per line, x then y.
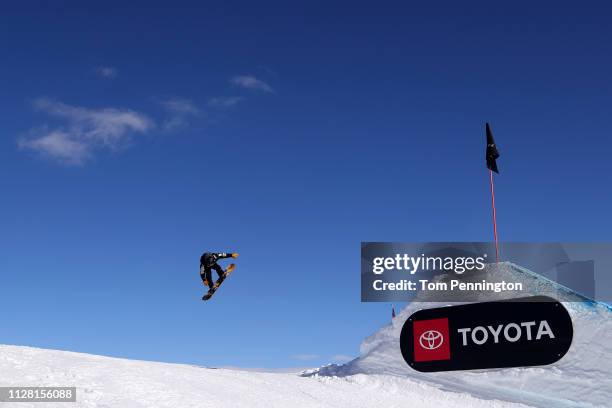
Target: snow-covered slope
{"type": "Point", "coordinates": [117, 383]}
{"type": "Point", "coordinates": [582, 378]}
{"type": "Point", "coordinates": [378, 378]}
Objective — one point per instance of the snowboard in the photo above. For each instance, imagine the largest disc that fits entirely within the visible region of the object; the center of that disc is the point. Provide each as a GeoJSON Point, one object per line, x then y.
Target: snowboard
{"type": "Point", "coordinates": [219, 281]}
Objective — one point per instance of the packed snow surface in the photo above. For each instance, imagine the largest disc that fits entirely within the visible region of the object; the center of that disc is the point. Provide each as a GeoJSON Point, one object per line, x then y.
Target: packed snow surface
{"type": "Point", "coordinates": [117, 383]}
{"type": "Point", "coordinates": [378, 378]}
{"type": "Point", "coordinates": [582, 378]}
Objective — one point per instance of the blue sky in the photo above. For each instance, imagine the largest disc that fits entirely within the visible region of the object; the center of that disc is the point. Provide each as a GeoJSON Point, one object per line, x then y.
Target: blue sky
{"type": "Point", "coordinates": [134, 137]}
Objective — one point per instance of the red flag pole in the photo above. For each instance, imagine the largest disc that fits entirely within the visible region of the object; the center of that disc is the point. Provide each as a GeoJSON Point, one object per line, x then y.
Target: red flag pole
{"type": "Point", "coordinates": [494, 217]}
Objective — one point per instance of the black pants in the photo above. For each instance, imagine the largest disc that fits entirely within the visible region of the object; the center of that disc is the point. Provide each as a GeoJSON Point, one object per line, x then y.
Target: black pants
{"type": "Point", "coordinates": [206, 273]}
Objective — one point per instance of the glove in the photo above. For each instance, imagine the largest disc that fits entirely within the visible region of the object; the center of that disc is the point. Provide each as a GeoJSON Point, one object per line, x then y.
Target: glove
{"type": "Point", "coordinates": [235, 255]}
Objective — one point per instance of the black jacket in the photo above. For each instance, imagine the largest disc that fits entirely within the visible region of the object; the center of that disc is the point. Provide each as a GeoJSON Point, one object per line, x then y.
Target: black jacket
{"type": "Point", "coordinates": [208, 259]}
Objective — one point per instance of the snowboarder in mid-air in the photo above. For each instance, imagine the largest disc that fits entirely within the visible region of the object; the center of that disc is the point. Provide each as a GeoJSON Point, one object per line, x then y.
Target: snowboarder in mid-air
{"type": "Point", "coordinates": [208, 262]}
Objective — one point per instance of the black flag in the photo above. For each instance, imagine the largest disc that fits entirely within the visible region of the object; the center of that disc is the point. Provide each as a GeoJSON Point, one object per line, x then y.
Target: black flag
{"type": "Point", "coordinates": [492, 153]}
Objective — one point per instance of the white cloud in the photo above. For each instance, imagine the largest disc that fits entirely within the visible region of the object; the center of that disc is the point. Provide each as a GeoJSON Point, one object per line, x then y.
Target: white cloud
{"type": "Point", "coordinates": [60, 146]}
{"type": "Point", "coordinates": [305, 357]}
{"type": "Point", "coordinates": [250, 82]}
{"type": "Point", "coordinates": [174, 123]}
{"type": "Point", "coordinates": [180, 105]}
{"type": "Point", "coordinates": [84, 131]}
{"type": "Point", "coordinates": [225, 101]}
{"type": "Point", "coordinates": [106, 72]}
{"type": "Point", "coordinates": [179, 110]}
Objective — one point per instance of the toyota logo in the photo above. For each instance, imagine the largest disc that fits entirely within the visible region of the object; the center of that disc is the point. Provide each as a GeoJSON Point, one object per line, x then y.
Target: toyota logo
{"type": "Point", "coordinates": [431, 339]}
